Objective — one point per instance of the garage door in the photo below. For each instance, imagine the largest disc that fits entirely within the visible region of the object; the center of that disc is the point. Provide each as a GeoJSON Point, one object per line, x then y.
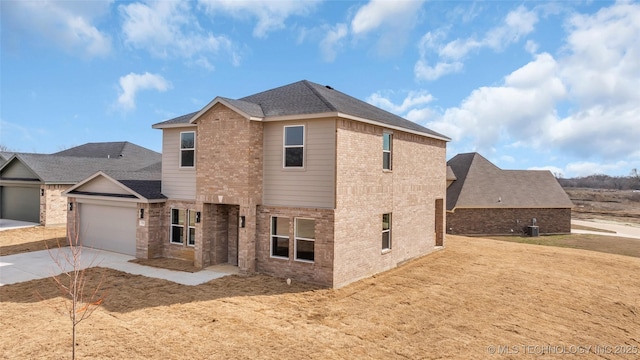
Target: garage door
{"type": "Point", "coordinates": [106, 227]}
{"type": "Point", "coordinates": [20, 203]}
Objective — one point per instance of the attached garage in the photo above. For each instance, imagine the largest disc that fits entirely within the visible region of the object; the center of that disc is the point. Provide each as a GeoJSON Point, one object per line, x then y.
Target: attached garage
{"type": "Point", "coordinates": [108, 226]}
{"type": "Point", "coordinates": [20, 203]}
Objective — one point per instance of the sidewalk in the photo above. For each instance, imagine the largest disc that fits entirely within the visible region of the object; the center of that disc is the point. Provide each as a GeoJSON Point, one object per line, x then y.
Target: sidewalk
{"type": "Point", "coordinates": [40, 264]}
{"type": "Point", "coordinates": [621, 230]}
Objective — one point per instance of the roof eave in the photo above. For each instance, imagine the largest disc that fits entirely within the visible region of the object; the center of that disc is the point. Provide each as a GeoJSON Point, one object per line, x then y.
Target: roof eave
{"type": "Point", "coordinates": [351, 117]}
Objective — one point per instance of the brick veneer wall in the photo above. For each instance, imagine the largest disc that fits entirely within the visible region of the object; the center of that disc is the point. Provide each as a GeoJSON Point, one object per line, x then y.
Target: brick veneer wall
{"type": "Point", "coordinates": [149, 232]}
{"type": "Point", "coordinates": [53, 206]}
{"type": "Point", "coordinates": [507, 221]}
{"type": "Point", "coordinates": [169, 250]}
{"type": "Point", "coordinates": [321, 270]}
{"type": "Point", "coordinates": [229, 158]}
{"type": "Point", "coordinates": [364, 191]}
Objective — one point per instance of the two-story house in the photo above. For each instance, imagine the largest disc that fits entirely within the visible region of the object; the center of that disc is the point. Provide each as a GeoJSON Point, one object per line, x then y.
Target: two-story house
{"type": "Point", "coordinates": [300, 181]}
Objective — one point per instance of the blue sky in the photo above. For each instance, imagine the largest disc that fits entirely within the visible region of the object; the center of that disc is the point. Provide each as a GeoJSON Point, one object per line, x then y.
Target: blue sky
{"type": "Point", "coordinates": [529, 85]}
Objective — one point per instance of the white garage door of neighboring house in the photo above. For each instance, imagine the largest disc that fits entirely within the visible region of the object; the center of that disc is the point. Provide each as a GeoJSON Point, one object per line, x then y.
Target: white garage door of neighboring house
{"type": "Point", "coordinates": [111, 228]}
{"type": "Point", "coordinates": [20, 203]}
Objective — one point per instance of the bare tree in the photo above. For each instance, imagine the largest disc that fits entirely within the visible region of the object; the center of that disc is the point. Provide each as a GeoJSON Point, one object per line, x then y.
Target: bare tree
{"type": "Point", "coordinates": [79, 304]}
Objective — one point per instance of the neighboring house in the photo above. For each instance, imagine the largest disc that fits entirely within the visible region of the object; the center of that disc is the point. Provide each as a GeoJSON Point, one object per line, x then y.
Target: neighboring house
{"type": "Point", "coordinates": [300, 181]}
{"type": "Point", "coordinates": [31, 184]}
{"type": "Point", "coordinates": [483, 199]}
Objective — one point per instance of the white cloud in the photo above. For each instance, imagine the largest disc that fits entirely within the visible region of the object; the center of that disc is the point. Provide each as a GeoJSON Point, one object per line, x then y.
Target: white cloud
{"type": "Point", "coordinates": [517, 24]}
{"type": "Point", "coordinates": [169, 29]}
{"type": "Point", "coordinates": [271, 15]}
{"type": "Point", "coordinates": [413, 99]}
{"type": "Point", "coordinates": [69, 25]}
{"type": "Point", "coordinates": [132, 83]}
{"type": "Point", "coordinates": [586, 168]}
{"type": "Point", "coordinates": [333, 41]}
{"type": "Point", "coordinates": [378, 13]}
{"type": "Point", "coordinates": [391, 20]}
{"type": "Point", "coordinates": [594, 81]}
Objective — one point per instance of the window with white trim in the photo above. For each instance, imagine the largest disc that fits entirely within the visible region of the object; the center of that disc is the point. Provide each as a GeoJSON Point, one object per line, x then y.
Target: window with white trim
{"type": "Point", "coordinates": [294, 146]}
{"type": "Point", "coordinates": [305, 230]}
{"type": "Point", "coordinates": [187, 149]}
{"type": "Point", "coordinates": [183, 227]}
{"type": "Point", "coordinates": [386, 231]}
{"type": "Point", "coordinates": [387, 145]}
{"type": "Point", "coordinates": [280, 237]}
{"type": "Point", "coordinates": [177, 226]}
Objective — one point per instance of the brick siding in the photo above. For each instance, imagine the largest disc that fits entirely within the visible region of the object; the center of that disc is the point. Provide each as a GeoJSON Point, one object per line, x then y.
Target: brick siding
{"type": "Point", "coordinates": [364, 191]}
{"type": "Point", "coordinates": [319, 272]}
{"type": "Point", "coordinates": [507, 221]}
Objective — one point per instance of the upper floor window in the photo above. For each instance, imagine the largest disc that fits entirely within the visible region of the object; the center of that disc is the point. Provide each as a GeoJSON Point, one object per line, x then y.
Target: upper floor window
{"type": "Point", "coordinates": [187, 149]}
{"type": "Point", "coordinates": [294, 146]}
{"type": "Point", "coordinates": [387, 145]}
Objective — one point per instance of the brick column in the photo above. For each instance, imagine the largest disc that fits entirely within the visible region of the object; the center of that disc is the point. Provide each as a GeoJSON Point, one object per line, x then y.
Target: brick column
{"type": "Point", "coordinates": [247, 239]}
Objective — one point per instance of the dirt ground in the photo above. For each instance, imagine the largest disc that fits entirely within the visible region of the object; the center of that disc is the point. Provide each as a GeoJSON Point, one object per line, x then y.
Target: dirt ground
{"type": "Point", "coordinates": [476, 299]}
{"type": "Point", "coordinates": [605, 204]}
{"type": "Point", "coordinates": [36, 238]}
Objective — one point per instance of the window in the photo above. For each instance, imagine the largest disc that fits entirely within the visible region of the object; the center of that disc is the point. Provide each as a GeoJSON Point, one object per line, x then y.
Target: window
{"type": "Point", "coordinates": [180, 220]}
{"type": "Point", "coordinates": [386, 231]}
{"type": "Point", "coordinates": [177, 226]}
{"type": "Point", "coordinates": [305, 239]}
{"type": "Point", "coordinates": [191, 240]}
{"type": "Point", "coordinates": [280, 237]}
{"type": "Point", "coordinates": [187, 149]}
{"type": "Point", "coordinates": [294, 146]}
{"type": "Point", "coordinates": [386, 150]}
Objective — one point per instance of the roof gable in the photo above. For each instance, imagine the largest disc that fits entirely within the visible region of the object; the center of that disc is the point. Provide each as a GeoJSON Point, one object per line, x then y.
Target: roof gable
{"type": "Point", "coordinates": [16, 169]}
{"type": "Point", "coordinates": [124, 186]}
{"type": "Point", "coordinates": [481, 184]}
{"type": "Point", "coordinates": [305, 98]}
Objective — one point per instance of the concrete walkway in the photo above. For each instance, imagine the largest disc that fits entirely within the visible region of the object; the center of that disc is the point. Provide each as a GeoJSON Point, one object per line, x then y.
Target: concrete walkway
{"type": "Point", "coordinates": [621, 230]}
{"type": "Point", "coordinates": [40, 264]}
{"type": "Point", "coordinates": [7, 224]}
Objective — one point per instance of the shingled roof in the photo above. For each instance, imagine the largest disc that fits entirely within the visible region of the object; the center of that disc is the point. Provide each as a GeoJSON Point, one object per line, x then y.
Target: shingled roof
{"type": "Point", "coordinates": [144, 183]}
{"type": "Point", "coordinates": [111, 150]}
{"type": "Point", "coordinates": [481, 184]}
{"type": "Point", "coordinates": [308, 98]}
{"type": "Point", "coordinates": [71, 169]}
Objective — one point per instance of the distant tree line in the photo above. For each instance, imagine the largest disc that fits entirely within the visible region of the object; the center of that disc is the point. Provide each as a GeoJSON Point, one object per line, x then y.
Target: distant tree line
{"type": "Point", "coordinates": [601, 181]}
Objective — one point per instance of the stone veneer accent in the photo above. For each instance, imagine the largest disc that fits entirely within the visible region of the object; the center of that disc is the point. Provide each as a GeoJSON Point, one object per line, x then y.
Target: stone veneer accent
{"type": "Point", "coordinates": [53, 206]}
{"type": "Point", "coordinates": [321, 270]}
{"type": "Point", "coordinates": [508, 221]}
{"type": "Point", "coordinates": [364, 191]}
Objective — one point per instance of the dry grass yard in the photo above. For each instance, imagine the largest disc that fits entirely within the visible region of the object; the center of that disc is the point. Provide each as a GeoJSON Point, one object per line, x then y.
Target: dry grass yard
{"type": "Point", "coordinates": [35, 238]}
{"type": "Point", "coordinates": [472, 298]}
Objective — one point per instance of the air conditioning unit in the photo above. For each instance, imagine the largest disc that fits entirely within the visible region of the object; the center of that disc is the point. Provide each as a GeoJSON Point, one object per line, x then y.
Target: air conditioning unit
{"type": "Point", "coordinates": [533, 231]}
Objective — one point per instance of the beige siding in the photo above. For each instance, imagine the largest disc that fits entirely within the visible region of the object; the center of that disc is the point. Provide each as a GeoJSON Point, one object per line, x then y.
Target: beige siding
{"type": "Point", "coordinates": [312, 186]}
{"type": "Point", "coordinates": [17, 170]}
{"type": "Point", "coordinates": [102, 185]}
{"type": "Point", "coordinates": [177, 183]}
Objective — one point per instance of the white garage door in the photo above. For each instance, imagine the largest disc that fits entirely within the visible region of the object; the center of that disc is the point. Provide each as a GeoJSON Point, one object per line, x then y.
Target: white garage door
{"type": "Point", "coordinates": [106, 227]}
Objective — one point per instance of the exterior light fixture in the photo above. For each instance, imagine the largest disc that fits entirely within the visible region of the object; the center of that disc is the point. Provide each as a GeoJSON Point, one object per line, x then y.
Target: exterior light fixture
{"type": "Point", "coordinates": [70, 206]}
{"type": "Point", "coordinates": [142, 213]}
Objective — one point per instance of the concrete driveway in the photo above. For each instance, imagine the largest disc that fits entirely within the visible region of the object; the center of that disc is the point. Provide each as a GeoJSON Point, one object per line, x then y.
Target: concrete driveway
{"type": "Point", "coordinates": [40, 264]}
{"type": "Point", "coordinates": [7, 224]}
{"type": "Point", "coordinates": [620, 229]}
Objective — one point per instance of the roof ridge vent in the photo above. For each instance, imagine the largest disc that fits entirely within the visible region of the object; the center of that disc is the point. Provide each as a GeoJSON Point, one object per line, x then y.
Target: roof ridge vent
{"type": "Point", "coordinates": [328, 87]}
